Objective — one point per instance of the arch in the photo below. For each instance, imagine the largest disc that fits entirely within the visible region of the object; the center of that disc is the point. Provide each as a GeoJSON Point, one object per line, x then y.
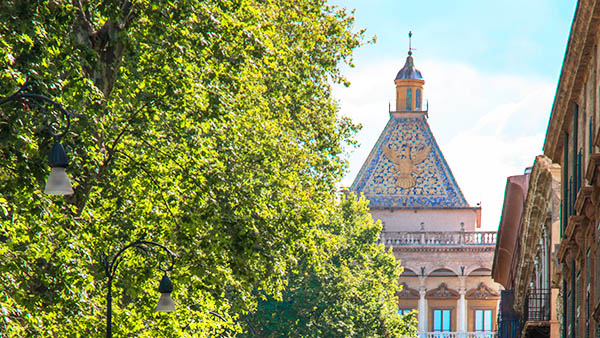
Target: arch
{"type": "Point", "coordinates": [408, 98]}
{"type": "Point", "coordinates": [408, 273]}
{"type": "Point", "coordinates": [418, 99]}
{"type": "Point", "coordinates": [480, 271]}
{"type": "Point", "coordinates": [442, 272]}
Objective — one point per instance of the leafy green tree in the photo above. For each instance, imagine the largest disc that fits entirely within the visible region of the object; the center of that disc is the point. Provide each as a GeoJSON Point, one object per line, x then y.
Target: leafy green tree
{"type": "Point", "coordinates": [209, 127]}
{"type": "Point", "coordinates": [350, 294]}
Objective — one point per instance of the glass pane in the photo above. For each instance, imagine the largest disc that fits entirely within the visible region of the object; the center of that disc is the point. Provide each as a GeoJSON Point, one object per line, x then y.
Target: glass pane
{"type": "Point", "coordinates": [478, 320]}
{"type": "Point", "coordinates": [487, 320]}
{"type": "Point", "coordinates": [446, 320]}
{"type": "Point", "coordinates": [437, 320]}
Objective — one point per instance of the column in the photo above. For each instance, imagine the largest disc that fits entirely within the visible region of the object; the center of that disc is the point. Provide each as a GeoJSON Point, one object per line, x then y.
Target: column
{"type": "Point", "coordinates": [422, 311]}
{"type": "Point", "coordinates": [462, 313]}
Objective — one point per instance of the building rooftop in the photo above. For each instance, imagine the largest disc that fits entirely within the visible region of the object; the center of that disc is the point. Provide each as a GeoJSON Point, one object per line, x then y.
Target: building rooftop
{"type": "Point", "coordinates": [407, 170]}
{"type": "Point", "coordinates": [409, 71]}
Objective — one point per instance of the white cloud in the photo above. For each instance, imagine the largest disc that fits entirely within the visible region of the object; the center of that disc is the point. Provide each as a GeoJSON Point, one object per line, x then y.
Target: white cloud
{"type": "Point", "coordinates": [489, 126]}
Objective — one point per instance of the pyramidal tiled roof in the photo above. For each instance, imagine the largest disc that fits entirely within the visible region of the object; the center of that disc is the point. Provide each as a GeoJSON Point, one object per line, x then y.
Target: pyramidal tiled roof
{"type": "Point", "coordinates": [407, 170]}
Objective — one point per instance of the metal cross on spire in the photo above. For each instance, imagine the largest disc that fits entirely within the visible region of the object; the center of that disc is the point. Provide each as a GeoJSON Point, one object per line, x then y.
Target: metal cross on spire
{"type": "Point", "coordinates": [410, 49]}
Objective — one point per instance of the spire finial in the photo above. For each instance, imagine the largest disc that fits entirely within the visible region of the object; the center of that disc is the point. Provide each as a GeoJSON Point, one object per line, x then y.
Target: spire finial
{"type": "Point", "coordinates": [410, 43]}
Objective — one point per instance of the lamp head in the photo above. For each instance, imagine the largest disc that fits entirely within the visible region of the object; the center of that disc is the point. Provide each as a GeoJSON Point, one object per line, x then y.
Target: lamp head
{"type": "Point", "coordinates": [58, 182]}
{"type": "Point", "coordinates": [165, 303]}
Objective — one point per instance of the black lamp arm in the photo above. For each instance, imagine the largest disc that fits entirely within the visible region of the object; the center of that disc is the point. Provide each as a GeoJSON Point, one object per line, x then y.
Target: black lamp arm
{"type": "Point", "coordinates": [38, 100]}
{"type": "Point", "coordinates": [110, 266]}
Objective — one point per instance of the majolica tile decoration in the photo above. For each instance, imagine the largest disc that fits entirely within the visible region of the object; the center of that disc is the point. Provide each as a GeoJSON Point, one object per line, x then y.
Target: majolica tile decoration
{"type": "Point", "coordinates": [407, 170]}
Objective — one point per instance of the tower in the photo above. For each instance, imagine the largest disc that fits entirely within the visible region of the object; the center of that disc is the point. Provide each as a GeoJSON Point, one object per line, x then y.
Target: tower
{"type": "Point", "coordinates": [409, 85]}
{"type": "Point", "coordinates": [427, 222]}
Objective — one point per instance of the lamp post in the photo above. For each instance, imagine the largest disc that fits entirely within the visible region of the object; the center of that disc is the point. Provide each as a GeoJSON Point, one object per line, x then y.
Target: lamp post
{"type": "Point", "coordinates": [165, 303]}
{"type": "Point", "coordinates": [58, 182]}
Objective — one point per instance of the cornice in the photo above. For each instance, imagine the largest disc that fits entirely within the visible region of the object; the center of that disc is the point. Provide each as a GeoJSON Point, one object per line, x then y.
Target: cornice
{"type": "Point", "coordinates": [583, 202]}
{"type": "Point", "coordinates": [564, 246]}
{"type": "Point", "coordinates": [593, 168]}
{"type": "Point", "coordinates": [574, 222]}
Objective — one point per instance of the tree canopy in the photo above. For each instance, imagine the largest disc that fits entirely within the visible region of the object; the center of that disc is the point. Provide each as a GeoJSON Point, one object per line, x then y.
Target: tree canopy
{"type": "Point", "coordinates": [208, 126]}
{"type": "Point", "coordinates": [351, 294]}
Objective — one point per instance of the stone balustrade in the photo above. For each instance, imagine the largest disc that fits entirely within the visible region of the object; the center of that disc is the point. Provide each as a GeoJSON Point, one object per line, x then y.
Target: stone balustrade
{"type": "Point", "coordinates": [484, 334]}
{"type": "Point", "coordinates": [439, 238]}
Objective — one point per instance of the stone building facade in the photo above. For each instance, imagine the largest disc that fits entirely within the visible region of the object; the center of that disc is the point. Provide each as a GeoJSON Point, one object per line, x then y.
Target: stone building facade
{"type": "Point", "coordinates": [428, 223]}
{"type": "Point", "coordinates": [528, 237]}
{"type": "Point", "coordinates": [573, 142]}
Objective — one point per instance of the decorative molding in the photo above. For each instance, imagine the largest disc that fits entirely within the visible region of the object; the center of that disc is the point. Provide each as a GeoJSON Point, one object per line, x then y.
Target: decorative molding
{"type": "Point", "coordinates": [593, 168]}
{"type": "Point", "coordinates": [563, 248]}
{"type": "Point", "coordinates": [482, 291]}
{"type": "Point", "coordinates": [583, 202]}
{"type": "Point", "coordinates": [407, 293]}
{"type": "Point", "coordinates": [596, 313]}
{"type": "Point", "coordinates": [442, 292]}
{"type": "Point", "coordinates": [573, 223]}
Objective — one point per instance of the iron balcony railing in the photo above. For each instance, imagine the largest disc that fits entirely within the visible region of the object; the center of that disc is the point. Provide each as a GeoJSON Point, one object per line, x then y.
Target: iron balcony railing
{"type": "Point", "coordinates": [537, 305]}
{"type": "Point", "coordinates": [417, 238]}
{"type": "Point", "coordinates": [509, 328]}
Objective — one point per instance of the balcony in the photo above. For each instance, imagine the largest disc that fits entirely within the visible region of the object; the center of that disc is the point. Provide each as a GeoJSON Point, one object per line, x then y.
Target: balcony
{"type": "Point", "coordinates": [509, 329]}
{"type": "Point", "coordinates": [508, 320]}
{"type": "Point", "coordinates": [536, 314]}
{"type": "Point", "coordinates": [440, 238]}
{"type": "Point", "coordinates": [485, 334]}
{"type": "Point", "coordinates": [537, 306]}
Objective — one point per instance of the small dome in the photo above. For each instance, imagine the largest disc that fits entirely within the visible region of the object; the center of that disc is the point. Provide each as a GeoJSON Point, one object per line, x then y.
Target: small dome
{"type": "Point", "coordinates": [409, 71]}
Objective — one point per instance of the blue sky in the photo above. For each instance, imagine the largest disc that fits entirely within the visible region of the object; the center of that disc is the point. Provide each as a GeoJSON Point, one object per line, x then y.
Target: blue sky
{"type": "Point", "coordinates": [491, 69]}
{"type": "Point", "coordinates": [523, 37]}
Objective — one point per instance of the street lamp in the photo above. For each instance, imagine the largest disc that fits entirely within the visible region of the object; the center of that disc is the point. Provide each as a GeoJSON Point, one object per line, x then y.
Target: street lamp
{"type": "Point", "coordinates": [58, 182]}
{"type": "Point", "coordinates": [165, 303]}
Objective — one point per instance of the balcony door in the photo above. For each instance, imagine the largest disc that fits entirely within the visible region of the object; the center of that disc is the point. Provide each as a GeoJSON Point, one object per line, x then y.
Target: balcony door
{"type": "Point", "coordinates": [483, 320]}
{"type": "Point", "coordinates": [441, 320]}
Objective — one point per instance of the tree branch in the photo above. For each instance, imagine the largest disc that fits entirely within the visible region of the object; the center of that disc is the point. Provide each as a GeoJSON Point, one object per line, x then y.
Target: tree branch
{"type": "Point", "coordinates": [111, 149]}
{"type": "Point", "coordinates": [128, 9]}
{"type": "Point", "coordinates": [156, 185]}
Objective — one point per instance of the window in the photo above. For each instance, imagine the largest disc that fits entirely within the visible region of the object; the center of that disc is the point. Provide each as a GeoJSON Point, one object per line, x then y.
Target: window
{"type": "Point", "coordinates": [575, 162]}
{"type": "Point", "coordinates": [441, 320]}
{"type": "Point", "coordinates": [572, 296]}
{"type": "Point", "coordinates": [588, 277]}
{"type": "Point", "coordinates": [418, 100]}
{"type": "Point", "coordinates": [579, 166]}
{"type": "Point", "coordinates": [565, 301]}
{"type": "Point", "coordinates": [409, 99]}
{"type": "Point", "coordinates": [565, 187]}
{"type": "Point", "coordinates": [590, 136]}
{"type": "Point", "coordinates": [483, 320]}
